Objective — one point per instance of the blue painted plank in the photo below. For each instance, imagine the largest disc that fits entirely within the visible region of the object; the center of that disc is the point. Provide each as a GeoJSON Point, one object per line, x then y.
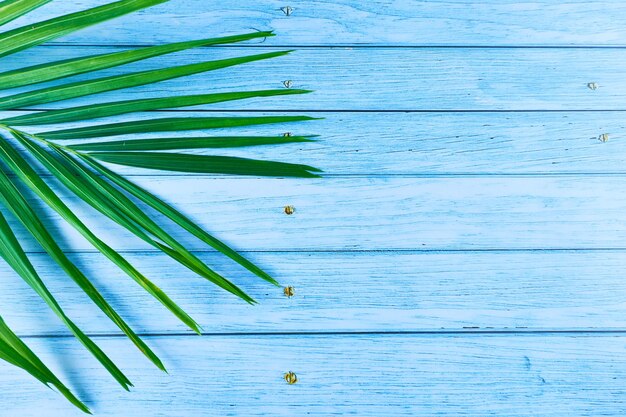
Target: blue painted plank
{"type": "Point", "coordinates": [344, 292]}
{"type": "Point", "coordinates": [354, 22]}
{"type": "Point", "coordinates": [356, 213]}
{"type": "Point", "coordinates": [400, 375]}
{"type": "Point", "coordinates": [412, 144]}
{"type": "Point", "coordinates": [390, 79]}
{"type": "Point", "coordinates": [480, 206]}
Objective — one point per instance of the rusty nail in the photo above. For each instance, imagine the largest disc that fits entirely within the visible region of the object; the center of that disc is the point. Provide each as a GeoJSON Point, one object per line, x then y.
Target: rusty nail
{"type": "Point", "coordinates": [289, 291]}
{"type": "Point", "coordinates": [291, 378]}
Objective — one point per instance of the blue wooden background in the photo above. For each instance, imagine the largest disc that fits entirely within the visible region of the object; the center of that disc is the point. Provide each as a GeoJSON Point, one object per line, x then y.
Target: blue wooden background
{"type": "Point", "coordinates": [464, 255]}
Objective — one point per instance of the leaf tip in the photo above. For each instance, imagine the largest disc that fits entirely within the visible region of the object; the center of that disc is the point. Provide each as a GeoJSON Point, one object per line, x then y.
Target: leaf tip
{"type": "Point", "coordinates": [196, 328]}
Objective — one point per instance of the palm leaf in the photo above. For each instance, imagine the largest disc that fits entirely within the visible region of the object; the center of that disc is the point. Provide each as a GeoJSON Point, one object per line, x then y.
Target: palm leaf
{"type": "Point", "coordinates": [76, 166]}
{"type": "Point", "coordinates": [113, 204]}
{"type": "Point", "coordinates": [27, 174]}
{"type": "Point", "coordinates": [14, 255]}
{"type": "Point", "coordinates": [27, 36]}
{"type": "Point", "coordinates": [14, 351]}
{"type": "Point", "coordinates": [101, 85]}
{"type": "Point", "coordinates": [165, 144]}
{"type": "Point", "coordinates": [68, 67]}
{"type": "Point", "coordinates": [174, 124]}
{"type": "Point", "coordinates": [74, 114]}
{"type": "Point", "coordinates": [16, 202]}
{"type": "Point", "coordinates": [12, 9]}
{"type": "Point", "coordinates": [177, 217]}
{"type": "Point", "coordinates": [207, 164]}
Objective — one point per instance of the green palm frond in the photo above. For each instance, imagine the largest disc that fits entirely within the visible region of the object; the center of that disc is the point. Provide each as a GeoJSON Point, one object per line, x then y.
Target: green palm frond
{"type": "Point", "coordinates": [78, 168]}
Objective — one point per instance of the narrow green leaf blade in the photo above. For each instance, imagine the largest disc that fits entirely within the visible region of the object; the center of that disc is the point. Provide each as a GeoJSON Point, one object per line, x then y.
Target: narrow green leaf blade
{"type": "Point", "coordinates": [34, 34]}
{"type": "Point", "coordinates": [15, 351]}
{"type": "Point", "coordinates": [207, 164]}
{"type": "Point", "coordinates": [28, 176]}
{"type": "Point", "coordinates": [167, 125]}
{"type": "Point", "coordinates": [95, 111]}
{"type": "Point", "coordinates": [116, 82]}
{"type": "Point", "coordinates": [115, 205]}
{"type": "Point", "coordinates": [12, 9]}
{"type": "Point", "coordinates": [19, 206]}
{"type": "Point", "coordinates": [176, 250]}
{"type": "Point", "coordinates": [68, 67]}
{"type": "Point", "coordinates": [12, 252]}
{"type": "Point", "coordinates": [163, 144]}
{"type": "Point", "coordinates": [176, 216]}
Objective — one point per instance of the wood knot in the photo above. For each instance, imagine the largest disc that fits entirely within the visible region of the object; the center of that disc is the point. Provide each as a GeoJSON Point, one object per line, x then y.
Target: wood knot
{"type": "Point", "coordinates": [289, 291]}
{"type": "Point", "coordinates": [291, 378]}
{"type": "Point", "coordinates": [289, 210]}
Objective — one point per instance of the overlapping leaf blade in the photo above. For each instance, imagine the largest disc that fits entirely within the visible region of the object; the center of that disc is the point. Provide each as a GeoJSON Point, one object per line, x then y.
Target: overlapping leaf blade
{"type": "Point", "coordinates": [116, 82]}
{"type": "Point", "coordinates": [74, 114]}
{"type": "Point", "coordinates": [102, 188]}
{"type": "Point", "coordinates": [19, 206]}
{"type": "Point", "coordinates": [12, 9]}
{"type": "Point", "coordinates": [68, 67]}
{"type": "Point", "coordinates": [113, 204]}
{"type": "Point", "coordinates": [207, 164]}
{"type": "Point", "coordinates": [29, 177]}
{"type": "Point", "coordinates": [34, 34]}
{"type": "Point", "coordinates": [14, 351]}
{"type": "Point", "coordinates": [12, 252]}
{"type": "Point", "coordinates": [173, 124]}
{"type": "Point", "coordinates": [165, 144]}
{"type": "Point", "coordinates": [179, 218]}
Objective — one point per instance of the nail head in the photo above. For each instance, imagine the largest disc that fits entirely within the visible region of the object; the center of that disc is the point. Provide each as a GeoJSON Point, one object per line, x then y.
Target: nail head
{"type": "Point", "coordinates": [291, 378]}
{"type": "Point", "coordinates": [289, 291]}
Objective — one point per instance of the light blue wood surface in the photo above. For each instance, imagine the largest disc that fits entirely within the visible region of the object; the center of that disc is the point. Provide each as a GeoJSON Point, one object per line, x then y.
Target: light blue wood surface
{"type": "Point", "coordinates": [464, 255]}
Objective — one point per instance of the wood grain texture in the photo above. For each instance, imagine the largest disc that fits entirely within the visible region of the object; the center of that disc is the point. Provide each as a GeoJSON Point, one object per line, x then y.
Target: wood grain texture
{"type": "Point", "coordinates": [353, 22]}
{"type": "Point", "coordinates": [357, 79]}
{"type": "Point", "coordinates": [345, 292]}
{"type": "Point", "coordinates": [463, 256]}
{"type": "Point", "coordinates": [538, 375]}
{"type": "Point", "coordinates": [355, 213]}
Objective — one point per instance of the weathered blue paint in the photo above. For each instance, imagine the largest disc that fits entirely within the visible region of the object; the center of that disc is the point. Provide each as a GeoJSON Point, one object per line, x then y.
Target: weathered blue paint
{"type": "Point", "coordinates": [465, 255]}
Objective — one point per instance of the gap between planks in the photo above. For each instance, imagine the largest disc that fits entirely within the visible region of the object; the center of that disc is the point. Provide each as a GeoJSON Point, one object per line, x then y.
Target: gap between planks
{"type": "Point", "coordinates": [355, 111]}
{"type": "Point", "coordinates": [366, 251]}
{"type": "Point", "coordinates": [447, 332]}
{"type": "Point", "coordinates": [343, 45]}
